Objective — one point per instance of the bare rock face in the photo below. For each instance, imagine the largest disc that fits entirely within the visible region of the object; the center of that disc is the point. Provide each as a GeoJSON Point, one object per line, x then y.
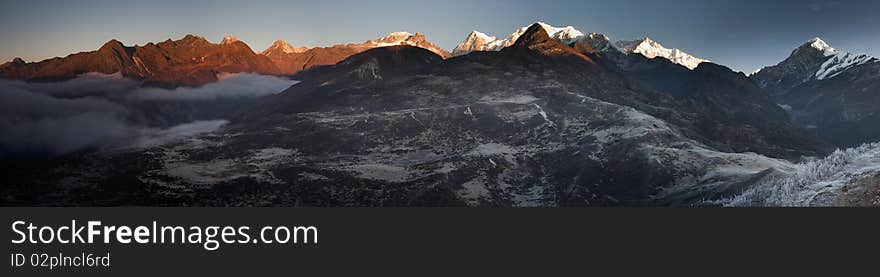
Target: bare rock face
{"type": "Point", "coordinates": [190, 61]}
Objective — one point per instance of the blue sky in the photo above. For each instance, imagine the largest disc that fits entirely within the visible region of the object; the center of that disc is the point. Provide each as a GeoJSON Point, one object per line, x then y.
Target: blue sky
{"type": "Point", "coordinates": [742, 34]}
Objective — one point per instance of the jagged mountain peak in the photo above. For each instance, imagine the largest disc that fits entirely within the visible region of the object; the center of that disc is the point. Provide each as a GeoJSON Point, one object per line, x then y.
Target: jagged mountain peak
{"type": "Point", "coordinates": [477, 41]}
{"type": "Point", "coordinates": [480, 35]}
{"type": "Point", "coordinates": [820, 45]}
{"type": "Point", "coordinates": [813, 60]}
{"type": "Point", "coordinates": [537, 40]}
{"type": "Point", "coordinates": [406, 38]}
{"type": "Point", "coordinates": [282, 47]}
{"type": "Point", "coordinates": [189, 40]}
{"type": "Point", "coordinates": [228, 39]}
{"type": "Point", "coordinates": [652, 49]}
{"type": "Point", "coordinates": [190, 61]}
{"type": "Point", "coordinates": [113, 43]}
{"type": "Point", "coordinates": [193, 38]}
{"type": "Point", "coordinates": [15, 63]}
{"type": "Point", "coordinates": [292, 60]}
{"type": "Point", "coordinates": [829, 90]}
{"type": "Point", "coordinates": [599, 42]}
{"type": "Point", "coordinates": [535, 34]}
{"type": "Point", "coordinates": [629, 46]}
{"type": "Point", "coordinates": [594, 43]}
{"type": "Point", "coordinates": [567, 34]}
{"type": "Point", "coordinates": [398, 36]}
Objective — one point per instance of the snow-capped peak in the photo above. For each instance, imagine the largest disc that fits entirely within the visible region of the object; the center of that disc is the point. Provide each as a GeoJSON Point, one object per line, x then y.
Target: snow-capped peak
{"type": "Point", "coordinates": [819, 44]}
{"type": "Point", "coordinates": [228, 40]}
{"type": "Point", "coordinates": [407, 38]}
{"type": "Point", "coordinates": [477, 41]}
{"type": "Point", "coordinates": [397, 36]}
{"type": "Point", "coordinates": [394, 38]}
{"type": "Point", "coordinates": [284, 47]}
{"type": "Point", "coordinates": [567, 34]}
{"type": "Point", "coordinates": [651, 49]}
{"type": "Point", "coordinates": [837, 62]}
{"type": "Point", "coordinates": [814, 60]}
{"type": "Point", "coordinates": [478, 35]}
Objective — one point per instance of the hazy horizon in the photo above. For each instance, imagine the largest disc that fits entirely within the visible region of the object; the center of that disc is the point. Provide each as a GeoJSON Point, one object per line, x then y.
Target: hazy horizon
{"type": "Point", "coordinates": [744, 35]}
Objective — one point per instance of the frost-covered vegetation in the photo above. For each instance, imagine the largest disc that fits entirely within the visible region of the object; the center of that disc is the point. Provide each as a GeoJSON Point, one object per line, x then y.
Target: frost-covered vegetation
{"type": "Point", "coordinates": [814, 183]}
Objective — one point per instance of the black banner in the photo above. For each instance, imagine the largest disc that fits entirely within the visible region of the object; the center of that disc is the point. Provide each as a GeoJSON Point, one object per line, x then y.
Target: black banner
{"type": "Point", "coordinates": [446, 241]}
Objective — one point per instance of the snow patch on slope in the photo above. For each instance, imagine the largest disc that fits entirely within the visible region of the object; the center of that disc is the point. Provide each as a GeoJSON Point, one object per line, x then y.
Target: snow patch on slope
{"type": "Point", "coordinates": [839, 63]}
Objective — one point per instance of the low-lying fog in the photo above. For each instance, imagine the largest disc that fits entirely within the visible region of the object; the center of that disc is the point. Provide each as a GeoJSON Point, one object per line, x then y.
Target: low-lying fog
{"type": "Point", "coordinates": [97, 111]}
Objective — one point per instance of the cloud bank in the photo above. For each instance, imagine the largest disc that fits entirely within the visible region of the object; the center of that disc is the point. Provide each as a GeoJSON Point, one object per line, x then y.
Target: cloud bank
{"type": "Point", "coordinates": [98, 111]}
{"type": "Point", "coordinates": [230, 86]}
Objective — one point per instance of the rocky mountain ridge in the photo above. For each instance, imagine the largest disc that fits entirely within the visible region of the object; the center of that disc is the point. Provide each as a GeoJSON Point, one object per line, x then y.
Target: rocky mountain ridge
{"type": "Point", "coordinates": [830, 92]}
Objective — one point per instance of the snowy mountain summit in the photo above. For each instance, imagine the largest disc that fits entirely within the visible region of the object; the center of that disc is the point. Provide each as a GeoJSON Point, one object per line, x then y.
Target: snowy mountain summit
{"type": "Point", "coordinates": [819, 44]}
{"type": "Point", "coordinates": [228, 40]}
{"type": "Point", "coordinates": [813, 60]}
{"type": "Point", "coordinates": [651, 49]}
{"type": "Point", "coordinates": [838, 61]}
{"type": "Point", "coordinates": [475, 41]}
{"type": "Point", "coordinates": [831, 91]}
{"type": "Point", "coordinates": [407, 38]}
{"type": "Point", "coordinates": [283, 47]}
{"type": "Point", "coordinates": [478, 41]}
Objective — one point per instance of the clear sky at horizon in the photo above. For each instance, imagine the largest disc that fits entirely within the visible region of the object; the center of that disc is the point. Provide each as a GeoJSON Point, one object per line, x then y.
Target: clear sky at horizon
{"type": "Point", "coordinates": [744, 34]}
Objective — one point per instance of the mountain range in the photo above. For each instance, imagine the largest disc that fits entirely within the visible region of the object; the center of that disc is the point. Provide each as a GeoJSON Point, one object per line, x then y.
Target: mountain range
{"type": "Point", "coordinates": [545, 117]}
{"type": "Point", "coordinates": [194, 61]}
{"type": "Point", "coordinates": [190, 61]}
{"type": "Point", "coordinates": [478, 41]}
